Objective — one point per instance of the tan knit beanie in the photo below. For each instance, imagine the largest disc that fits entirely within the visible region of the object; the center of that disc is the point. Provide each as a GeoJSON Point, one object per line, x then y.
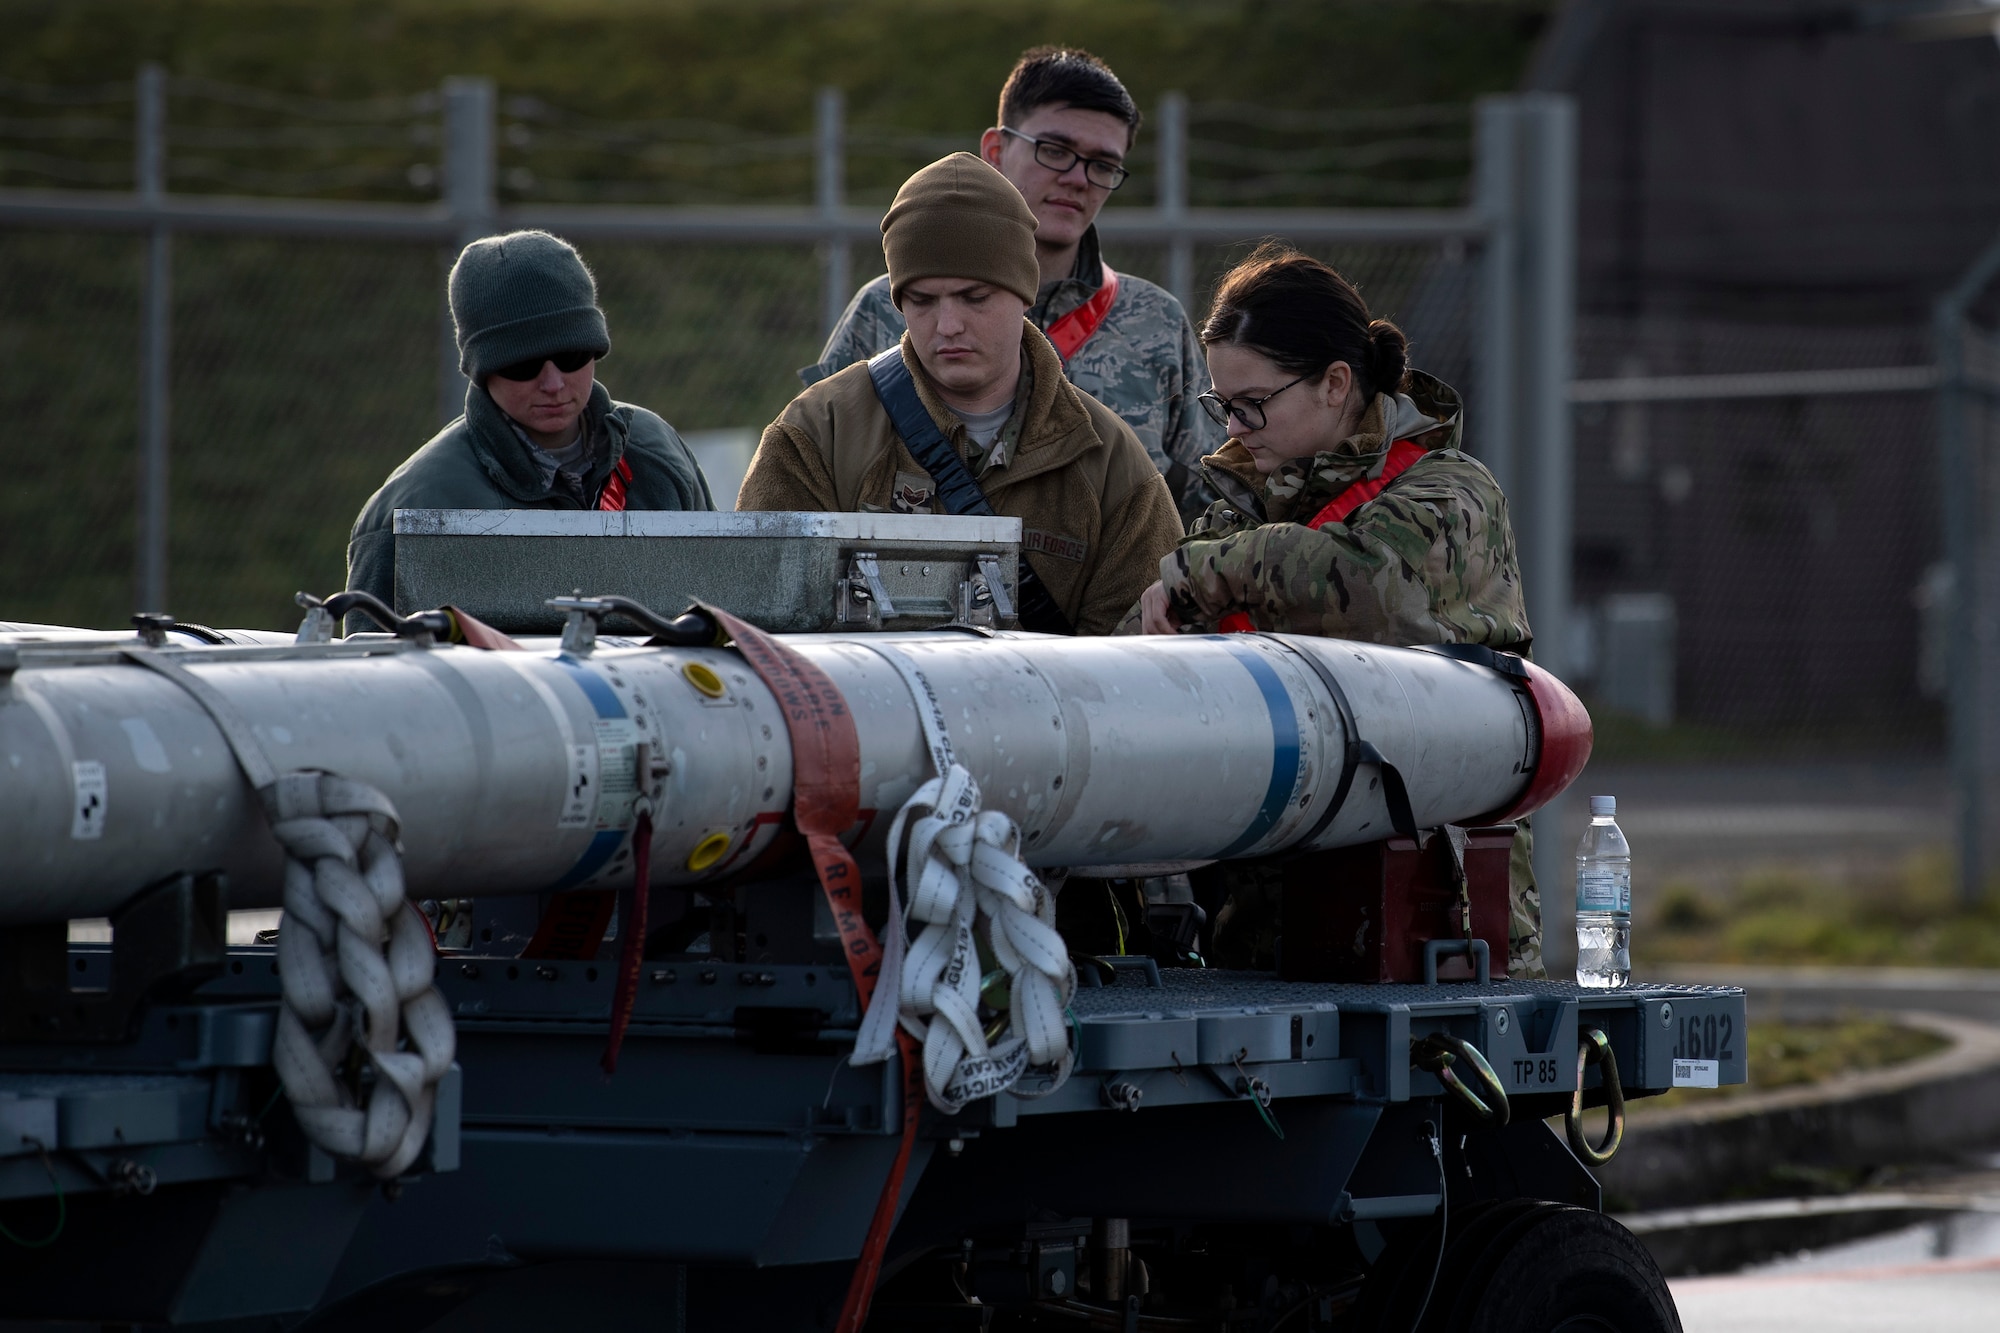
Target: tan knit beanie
{"type": "Point", "coordinates": [959, 218]}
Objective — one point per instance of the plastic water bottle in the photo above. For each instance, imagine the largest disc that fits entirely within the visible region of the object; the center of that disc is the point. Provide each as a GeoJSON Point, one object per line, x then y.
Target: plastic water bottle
{"type": "Point", "coordinates": [1603, 900]}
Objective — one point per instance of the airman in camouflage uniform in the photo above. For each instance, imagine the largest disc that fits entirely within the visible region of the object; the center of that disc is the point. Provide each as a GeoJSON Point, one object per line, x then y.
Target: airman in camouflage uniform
{"type": "Point", "coordinates": [1065, 125]}
{"type": "Point", "coordinates": [1430, 559]}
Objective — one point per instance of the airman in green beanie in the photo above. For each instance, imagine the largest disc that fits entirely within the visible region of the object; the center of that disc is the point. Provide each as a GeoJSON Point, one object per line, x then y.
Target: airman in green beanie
{"type": "Point", "coordinates": [539, 431]}
{"type": "Point", "coordinates": [1095, 513]}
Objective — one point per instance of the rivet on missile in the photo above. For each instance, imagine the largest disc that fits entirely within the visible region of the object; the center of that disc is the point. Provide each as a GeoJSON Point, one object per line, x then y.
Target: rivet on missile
{"type": "Point", "coordinates": [708, 851]}
{"type": "Point", "coordinates": [705, 681]}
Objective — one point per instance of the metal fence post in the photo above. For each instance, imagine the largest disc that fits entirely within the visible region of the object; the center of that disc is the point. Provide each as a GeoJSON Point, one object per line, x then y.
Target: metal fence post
{"type": "Point", "coordinates": [1962, 711]}
{"type": "Point", "coordinates": [155, 402]}
{"type": "Point", "coordinates": [1541, 453]}
{"type": "Point", "coordinates": [1545, 461]}
{"type": "Point", "coordinates": [1960, 474]}
{"type": "Point", "coordinates": [1173, 200]}
{"type": "Point", "coordinates": [469, 197]}
{"type": "Point", "coordinates": [1493, 425]}
{"type": "Point", "coordinates": [836, 254]}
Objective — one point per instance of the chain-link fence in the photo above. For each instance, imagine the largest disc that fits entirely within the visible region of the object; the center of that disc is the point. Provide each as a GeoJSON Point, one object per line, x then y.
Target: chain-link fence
{"type": "Point", "coordinates": [1756, 515]}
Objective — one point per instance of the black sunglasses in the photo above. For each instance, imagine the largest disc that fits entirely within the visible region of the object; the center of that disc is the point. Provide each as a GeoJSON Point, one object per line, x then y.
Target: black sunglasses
{"type": "Point", "coordinates": [567, 362]}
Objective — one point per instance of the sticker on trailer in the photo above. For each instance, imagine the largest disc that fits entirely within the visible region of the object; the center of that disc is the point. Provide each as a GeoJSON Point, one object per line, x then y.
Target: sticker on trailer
{"type": "Point", "coordinates": [86, 819]}
{"type": "Point", "coordinates": [1697, 1073]}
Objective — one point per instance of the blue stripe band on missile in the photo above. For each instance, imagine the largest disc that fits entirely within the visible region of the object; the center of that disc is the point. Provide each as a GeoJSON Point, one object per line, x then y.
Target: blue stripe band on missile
{"type": "Point", "coordinates": [1284, 745]}
{"type": "Point", "coordinates": [602, 697]}
{"type": "Point", "coordinates": [602, 847]}
{"type": "Point", "coordinates": [606, 842]}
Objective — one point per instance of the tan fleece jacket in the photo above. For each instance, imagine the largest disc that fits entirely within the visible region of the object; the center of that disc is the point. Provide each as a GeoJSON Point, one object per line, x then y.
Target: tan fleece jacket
{"type": "Point", "coordinates": [1096, 516]}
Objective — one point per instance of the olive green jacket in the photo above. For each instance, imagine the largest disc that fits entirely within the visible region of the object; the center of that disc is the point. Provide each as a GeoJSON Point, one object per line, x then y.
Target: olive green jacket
{"type": "Point", "coordinates": [480, 462]}
{"type": "Point", "coordinates": [1096, 515]}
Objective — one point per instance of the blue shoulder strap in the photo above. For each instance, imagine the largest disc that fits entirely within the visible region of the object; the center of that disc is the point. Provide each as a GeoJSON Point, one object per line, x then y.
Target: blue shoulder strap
{"type": "Point", "coordinates": [957, 488]}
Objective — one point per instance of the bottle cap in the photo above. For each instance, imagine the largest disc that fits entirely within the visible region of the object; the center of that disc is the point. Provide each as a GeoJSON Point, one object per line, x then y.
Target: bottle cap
{"type": "Point", "coordinates": [1603, 805]}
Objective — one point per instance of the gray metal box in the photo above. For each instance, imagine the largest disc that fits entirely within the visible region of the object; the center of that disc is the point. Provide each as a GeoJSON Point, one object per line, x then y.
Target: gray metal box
{"type": "Point", "coordinates": [783, 572]}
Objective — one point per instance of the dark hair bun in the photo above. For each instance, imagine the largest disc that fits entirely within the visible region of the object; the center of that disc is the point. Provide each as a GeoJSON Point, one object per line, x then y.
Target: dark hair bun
{"type": "Point", "coordinates": [1388, 356]}
{"type": "Point", "coordinates": [1304, 316]}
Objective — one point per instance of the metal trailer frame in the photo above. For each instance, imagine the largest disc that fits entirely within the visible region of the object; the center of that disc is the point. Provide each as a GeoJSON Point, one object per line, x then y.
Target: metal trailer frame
{"type": "Point", "coordinates": [726, 1175]}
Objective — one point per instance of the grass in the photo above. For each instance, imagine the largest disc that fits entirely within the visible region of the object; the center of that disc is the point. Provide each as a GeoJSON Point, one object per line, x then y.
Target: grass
{"type": "Point", "coordinates": [1911, 917]}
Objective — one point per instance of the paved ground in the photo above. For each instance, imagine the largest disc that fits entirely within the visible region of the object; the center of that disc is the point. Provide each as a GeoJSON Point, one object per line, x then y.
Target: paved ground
{"type": "Point", "coordinates": [1936, 1297]}
{"type": "Point", "coordinates": [1940, 1277]}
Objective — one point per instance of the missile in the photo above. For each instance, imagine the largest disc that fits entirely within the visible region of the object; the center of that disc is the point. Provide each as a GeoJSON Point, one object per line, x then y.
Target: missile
{"type": "Point", "coordinates": [518, 771]}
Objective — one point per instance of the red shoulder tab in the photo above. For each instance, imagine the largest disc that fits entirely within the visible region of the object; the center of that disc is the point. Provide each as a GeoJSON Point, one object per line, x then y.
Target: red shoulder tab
{"type": "Point", "coordinates": [1401, 455]}
{"type": "Point", "coordinates": [1074, 329]}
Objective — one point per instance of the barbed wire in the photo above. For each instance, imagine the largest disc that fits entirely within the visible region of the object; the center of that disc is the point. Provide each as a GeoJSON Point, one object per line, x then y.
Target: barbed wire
{"type": "Point", "coordinates": [255, 180]}
{"type": "Point", "coordinates": [66, 168]}
{"type": "Point", "coordinates": [1379, 118]}
{"type": "Point", "coordinates": [51, 127]}
{"type": "Point", "coordinates": [1378, 153]}
{"type": "Point", "coordinates": [696, 153]}
{"type": "Point", "coordinates": [553, 152]}
{"type": "Point", "coordinates": [395, 106]}
{"type": "Point", "coordinates": [90, 94]}
{"type": "Point", "coordinates": [1345, 189]}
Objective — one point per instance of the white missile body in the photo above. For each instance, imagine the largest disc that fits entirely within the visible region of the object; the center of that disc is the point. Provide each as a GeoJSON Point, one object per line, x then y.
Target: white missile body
{"type": "Point", "coordinates": [514, 772]}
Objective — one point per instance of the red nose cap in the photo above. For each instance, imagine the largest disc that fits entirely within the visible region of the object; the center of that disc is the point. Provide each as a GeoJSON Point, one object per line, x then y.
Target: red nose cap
{"type": "Point", "coordinates": [1566, 738]}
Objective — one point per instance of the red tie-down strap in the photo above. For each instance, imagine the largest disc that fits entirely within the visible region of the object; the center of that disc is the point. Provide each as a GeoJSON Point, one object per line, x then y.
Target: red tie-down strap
{"type": "Point", "coordinates": [1401, 455]}
{"type": "Point", "coordinates": [612, 497]}
{"type": "Point", "coordinates": [826, 801]}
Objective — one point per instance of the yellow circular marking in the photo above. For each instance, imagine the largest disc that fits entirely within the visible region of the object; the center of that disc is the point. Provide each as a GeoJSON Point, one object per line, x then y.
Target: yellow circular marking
{"type": "Point", "coordinates": [708, 851]}
{"type": "Point", "coordinates": [704, 679]}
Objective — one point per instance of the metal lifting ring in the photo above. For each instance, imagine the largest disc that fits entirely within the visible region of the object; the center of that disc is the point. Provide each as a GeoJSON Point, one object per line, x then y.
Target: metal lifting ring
{"type": "Point", "coordinates": [1440, 1052]}
{"type": "Point", "coordinates": [1593, 1047]}
{"type": "Point", "coordinates": [432, 626]}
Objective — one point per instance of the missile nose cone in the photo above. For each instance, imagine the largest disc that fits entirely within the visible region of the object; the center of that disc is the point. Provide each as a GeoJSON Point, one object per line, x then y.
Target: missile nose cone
{"type": "Point", "coordinates": [1566, 742]}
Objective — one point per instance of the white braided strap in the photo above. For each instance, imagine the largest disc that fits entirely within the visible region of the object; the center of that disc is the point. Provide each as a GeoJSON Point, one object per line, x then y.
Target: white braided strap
{"type": "Point", "coordinates": [357, 966]}
{"type": "Point", "coordinates": [966, 884]}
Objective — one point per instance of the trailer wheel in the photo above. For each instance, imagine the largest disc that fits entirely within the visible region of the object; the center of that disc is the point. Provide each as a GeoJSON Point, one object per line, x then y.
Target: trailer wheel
{"type": "Point", "coordinates": [1399, 1286]}
{"type": "Point", "coordinates": [1559, 1269]}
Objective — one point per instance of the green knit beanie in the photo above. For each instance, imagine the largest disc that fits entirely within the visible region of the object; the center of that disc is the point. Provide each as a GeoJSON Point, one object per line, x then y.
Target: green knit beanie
{"type": "Point", "coordinates": [959, 218]}
{"type": "Point", "coordinates": [520, 296]}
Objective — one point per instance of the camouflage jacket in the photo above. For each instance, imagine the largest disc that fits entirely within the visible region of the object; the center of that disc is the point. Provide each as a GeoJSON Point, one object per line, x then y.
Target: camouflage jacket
{"type": "Point", "coordinates": [1144, 363]}
{"type": "Point", "coordinates": [1429, 560]}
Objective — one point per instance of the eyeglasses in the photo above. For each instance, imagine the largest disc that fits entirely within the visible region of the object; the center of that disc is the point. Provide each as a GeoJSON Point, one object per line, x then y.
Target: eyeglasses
{"type": "Point", "coordinates": [1249, 411]}
{"type": "Point", "coordinates": [1104, 174]}
{"type": "Point", "coordinates": [567, 362]}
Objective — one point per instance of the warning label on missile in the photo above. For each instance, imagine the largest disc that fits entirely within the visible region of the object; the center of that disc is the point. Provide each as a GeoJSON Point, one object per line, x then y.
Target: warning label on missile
{"type": "Point", "coordinates": [1697, 1073]}
{"type": "Point", "coordinates": [86, 819]}
{"type": "Point", "coordinates": [617, 771]}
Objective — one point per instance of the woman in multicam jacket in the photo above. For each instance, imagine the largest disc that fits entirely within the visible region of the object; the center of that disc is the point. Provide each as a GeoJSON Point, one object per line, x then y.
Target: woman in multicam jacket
{"type": "Point", "coordinates": [1347, 510]}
